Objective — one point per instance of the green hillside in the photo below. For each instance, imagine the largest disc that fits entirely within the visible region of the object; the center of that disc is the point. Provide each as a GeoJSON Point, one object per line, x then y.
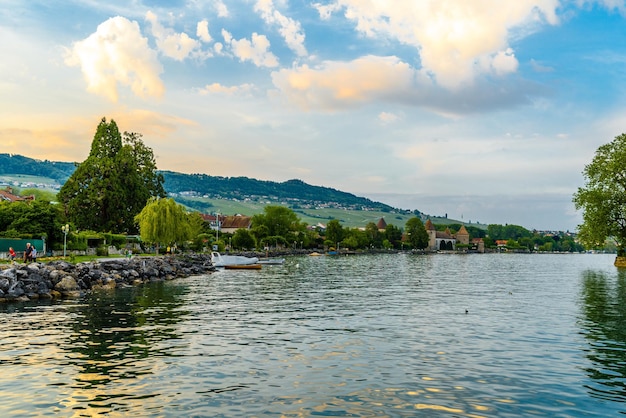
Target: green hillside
{"type": "Point", "coordinates": [229, 195]}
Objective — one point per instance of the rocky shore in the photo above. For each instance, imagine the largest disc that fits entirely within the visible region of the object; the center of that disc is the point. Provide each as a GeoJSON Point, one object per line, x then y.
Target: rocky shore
{"type": "Point", "coordinates": [60, 279]}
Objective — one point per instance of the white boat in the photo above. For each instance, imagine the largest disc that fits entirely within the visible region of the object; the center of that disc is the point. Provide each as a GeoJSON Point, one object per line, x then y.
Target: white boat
{"type": "Point", "coordinates": [219, 260]}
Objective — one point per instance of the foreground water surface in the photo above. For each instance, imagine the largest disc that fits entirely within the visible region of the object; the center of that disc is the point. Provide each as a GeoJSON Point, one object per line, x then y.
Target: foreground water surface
{"type": "Point", "coordinates": [362, 336]}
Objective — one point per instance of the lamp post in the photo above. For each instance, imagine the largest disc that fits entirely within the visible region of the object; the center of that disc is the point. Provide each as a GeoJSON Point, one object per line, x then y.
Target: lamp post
{"type": "Point", "coordinates": [65, 228]}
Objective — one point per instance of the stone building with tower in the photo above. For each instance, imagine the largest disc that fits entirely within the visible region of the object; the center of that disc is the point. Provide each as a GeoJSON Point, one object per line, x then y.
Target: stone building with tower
{"type": "Point", "coordinates": [445, 240]}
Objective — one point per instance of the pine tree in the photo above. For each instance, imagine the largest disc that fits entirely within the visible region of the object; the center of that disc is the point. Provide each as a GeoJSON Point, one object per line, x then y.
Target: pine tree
{"type": "Point", "coordinates": [113, 184]}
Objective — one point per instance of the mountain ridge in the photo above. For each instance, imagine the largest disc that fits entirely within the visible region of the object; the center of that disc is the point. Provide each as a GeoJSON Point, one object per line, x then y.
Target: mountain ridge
{"type": "Point", "coordinates": [295, 192]}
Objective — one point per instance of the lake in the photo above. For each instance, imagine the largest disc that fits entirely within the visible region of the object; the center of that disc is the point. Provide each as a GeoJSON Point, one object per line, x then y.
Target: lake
{"type": "Point", "coordinates": [393, 335]}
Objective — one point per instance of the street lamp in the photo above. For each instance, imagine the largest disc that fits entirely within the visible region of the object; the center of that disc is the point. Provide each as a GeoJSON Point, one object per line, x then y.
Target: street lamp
{"type": "Point", "coordinates": [65, 228]}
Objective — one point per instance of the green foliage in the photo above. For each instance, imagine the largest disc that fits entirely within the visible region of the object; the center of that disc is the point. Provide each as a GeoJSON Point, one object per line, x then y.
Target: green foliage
{"type": "Point", "coordinates": [113, 184]}
{"type": "Point", "coordinates": [116, 240]}
{"type": "Point", "coordinates": [334, 231]}
{"type": "Point", "coordinates": [163, 221]}
{"type": "Point", "coordinates": [274, 241]}
{"type": "Point", "coordinates": [40, 194]}
{"type": "Point", "coordinates": [603, 198]}
{"type": "Point", "coordinates": [374, 236]}
{"type": "Point", "coordinates": [507, 232]}
{"type": "Point", "coordinates": [416, 233]}
{"type": "Point", "coordinates": [30, 220]}
{"type": "Point", "coordinates": [278, 221]}
{"type": "Point", "coordinates": [243, 239]}
{"type": "Point", "coordinates": [393, 235]}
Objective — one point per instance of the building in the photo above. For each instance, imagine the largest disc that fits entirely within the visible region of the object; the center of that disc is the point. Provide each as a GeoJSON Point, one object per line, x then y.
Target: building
{"type": "Point", "coordinates": [230, 224]}
{"type": "Point", "coordinates": [445, 240]}
{"type": "Point", "coordinates": [7, 195]}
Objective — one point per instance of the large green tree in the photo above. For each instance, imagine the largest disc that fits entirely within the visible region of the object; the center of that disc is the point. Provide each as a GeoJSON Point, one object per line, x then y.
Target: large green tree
{"type": "Point", "coordinates": [30, 219]}
{"type": "Point", "coordinates": [416, 233]}
{"type": "Point", "coordinates": [278, 221]}
{"type": "Point", "coordinates": [113, 184]}
{"type": "Point", "coordinates": [603, 197]}
{"type": "Point", "coordinates": [163, 221]}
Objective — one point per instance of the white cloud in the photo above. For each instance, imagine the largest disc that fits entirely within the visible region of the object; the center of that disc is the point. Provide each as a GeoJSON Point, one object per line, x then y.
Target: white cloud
{"type": "Point", "coordinates": [290, 29]}
{"type": "Point", "coordinates": [339, 84]}
{"type": "Point", "coordinates": [115, 54]}
{"type": "Point", "coordinates": [539, 67]}
{"type": "Point", "coordinates": [457, 40]}
{"type": "Point", "coordinates": [386, 117]}
{"type": "Point", "coordinates": [173, 45]}
{"type": "Point", "coordinates": [326, 10]}
{"type": "Point", "coordinates": [202, 31]}
{"type": "Point", "coordinates": [222, 10]}
{"type": "Point", "coordinates": [255, 50]}
{"type": "Point", "coordinates": [216, 88]}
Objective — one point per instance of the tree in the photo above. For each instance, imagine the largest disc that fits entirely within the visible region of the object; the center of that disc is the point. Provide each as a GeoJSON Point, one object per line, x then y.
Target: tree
{"type": "Point", "coordinates": [113, 184]}
{"type": "Point", "coordinates": [30, 219]}
{"type": "Point", "coordinates": [415, 230]}
{"type": "Point", "coordinates": [242, 238]}
{"type": "Point", "coordinates": [277, 221]}
{"type": "Point", "coordinates": [334, 232]}
{"type": "Point", "coordinates": [163, 221]}
{"type": "Point", "coordinates": [603, 197]}
{"type": "Point", "coordinates": [393, 235]}
{"type": "Point", "coordinates": [374, 236]}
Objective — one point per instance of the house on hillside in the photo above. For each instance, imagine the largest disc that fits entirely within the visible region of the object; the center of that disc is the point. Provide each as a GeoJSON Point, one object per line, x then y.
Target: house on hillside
{"type": "Point", "coordinates": [7, 195]}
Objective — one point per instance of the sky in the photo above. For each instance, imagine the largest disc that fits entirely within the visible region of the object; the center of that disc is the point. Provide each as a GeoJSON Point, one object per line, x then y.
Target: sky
{"type": "Point", "coordinates": [483, 110]}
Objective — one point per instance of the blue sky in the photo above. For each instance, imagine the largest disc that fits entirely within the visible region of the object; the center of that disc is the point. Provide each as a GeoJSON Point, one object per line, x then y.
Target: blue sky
{"type": "Point", "coordinates": [483, 110]}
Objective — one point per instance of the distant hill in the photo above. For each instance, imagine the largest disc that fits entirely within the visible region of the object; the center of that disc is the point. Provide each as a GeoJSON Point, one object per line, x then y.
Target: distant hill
{"type": "Point", "coordinates": [294, 192]}
{"type": "Point", "coordinates": [18, 164]}
{"type": "Point", "coordinates": [185, 187]}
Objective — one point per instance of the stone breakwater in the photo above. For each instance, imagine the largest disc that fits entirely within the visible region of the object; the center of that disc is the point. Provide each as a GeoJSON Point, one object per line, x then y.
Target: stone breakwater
{"type": "Point", "coordinates": [60, 279]}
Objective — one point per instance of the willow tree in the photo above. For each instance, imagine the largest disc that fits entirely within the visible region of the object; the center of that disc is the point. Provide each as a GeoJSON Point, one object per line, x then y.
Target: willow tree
{"type": "Point", "coordinates": [113, 184]}
{"type": "Point", "coordinates": [163, 221]}
{"type": "Point", "coordinates": [603, 197]}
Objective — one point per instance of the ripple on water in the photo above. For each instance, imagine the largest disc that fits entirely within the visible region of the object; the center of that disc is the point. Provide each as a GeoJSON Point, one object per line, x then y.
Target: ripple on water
{"type": "Point", "coordinates": [387, 335]}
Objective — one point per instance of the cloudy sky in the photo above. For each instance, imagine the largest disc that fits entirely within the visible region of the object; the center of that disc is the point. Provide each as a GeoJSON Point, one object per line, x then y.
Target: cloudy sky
{"type": "Point", "coordinates": [485, 110]}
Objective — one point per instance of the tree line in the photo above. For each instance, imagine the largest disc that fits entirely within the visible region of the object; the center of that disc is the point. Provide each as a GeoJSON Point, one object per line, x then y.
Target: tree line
{"type": "Point", "coordinates": [118, 191]}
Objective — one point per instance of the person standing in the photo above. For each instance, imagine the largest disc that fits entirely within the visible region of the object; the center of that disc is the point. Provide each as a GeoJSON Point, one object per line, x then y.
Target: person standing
{"type": "Point", "coordinates": [12, 254]}
{"type": "Point", "coordinates": [33, 253]}
{"type": "Point", "coordinates": [27, 252]}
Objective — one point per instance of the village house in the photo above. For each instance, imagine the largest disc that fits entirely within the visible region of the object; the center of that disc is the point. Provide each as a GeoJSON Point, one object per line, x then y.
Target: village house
{"type": "Point", "coordinates": [7, 195]}
{"type": "Point", "coordinates": [228, 224]}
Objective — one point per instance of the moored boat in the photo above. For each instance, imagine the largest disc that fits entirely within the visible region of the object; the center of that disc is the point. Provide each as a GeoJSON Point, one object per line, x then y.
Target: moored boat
{"type": "Point", "coordinates": [243, 266]}
{"type": "Point", "coordinates": [219, 260]}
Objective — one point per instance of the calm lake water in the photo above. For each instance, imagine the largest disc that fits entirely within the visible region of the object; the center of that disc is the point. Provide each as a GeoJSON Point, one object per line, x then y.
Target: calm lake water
{"type": "Point", "coordinates": [358, 336]}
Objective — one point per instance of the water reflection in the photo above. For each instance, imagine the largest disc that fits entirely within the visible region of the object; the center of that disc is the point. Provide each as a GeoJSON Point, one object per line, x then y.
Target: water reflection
{"type": "Point", "coordinates": [120, 337]}
{"type": "Point", "coordinates": [604, 327]}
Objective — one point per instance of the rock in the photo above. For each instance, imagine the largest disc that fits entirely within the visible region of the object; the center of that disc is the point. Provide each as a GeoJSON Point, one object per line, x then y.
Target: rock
{"type": "Point", "coordinates": [61, 279]}
{"type": "Point", "coordinates": [67, 284]}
